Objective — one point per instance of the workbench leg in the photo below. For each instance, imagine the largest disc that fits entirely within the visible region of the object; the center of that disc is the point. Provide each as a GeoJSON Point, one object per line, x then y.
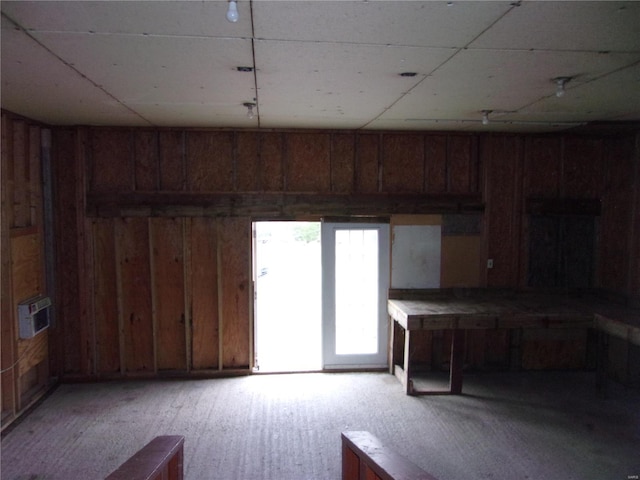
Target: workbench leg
{"type": "Point", "coordinates": [406, 374]}
{"type": "Point", "coordinates": [392, 353]}
{"type": "Point", "coordinates": [457, 361]}
{"type": "Point", "coordinates": [602, 364]}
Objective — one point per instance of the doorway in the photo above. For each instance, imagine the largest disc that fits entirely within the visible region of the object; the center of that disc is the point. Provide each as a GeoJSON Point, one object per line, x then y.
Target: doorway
{"type": "Point", "coordinates": [287, 302]}
{"type": "Point", "coordinates": [320, 295]}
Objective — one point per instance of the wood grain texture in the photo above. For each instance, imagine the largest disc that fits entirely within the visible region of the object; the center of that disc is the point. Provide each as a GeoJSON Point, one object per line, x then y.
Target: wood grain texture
{"type": "Point", "coordinates": [402, 163]}
{"type": "Point", "coordinates": [27, 266]}
{"type": "Point", "coordinates": [132, 243]}
{"type": "Point", "coordinates": [209, 161]}
{"type": "Point", "coordinates": [172, 160]}
{"type": "Point", "coordinates": [146, 153]}
{"type": "Point", "coordinates": [582, 167]}
{"type": "Point", "coordinates": [20, 177]}
{"type": "Point", "coordinates": [342, 163]}
{"type": "Point", "coordinates": [461, 165]}
{"type": "Point", "coordinates": [235, 245]}
{"type": "Point", "coordinates": [204, 293]}
{"type": "Point", "coordinates": [111, 160]}
{"type": "Point", "coordinates": [106, 299]}
{"type": "Point", "coordinates": [502, 220]}
{"type": "Point", "coordinates": [543, 166]}
{"type": "Point", "coordinates": [368, 163]}
{"type": "Point", "coordinates": [166, 236]}
{"type": "Point", "coordinates": [435, 147]}
{"type": "Point", "coordinates": [308, 162]}
{"type": "Point", "coordinates": [272, 161]}
{"type": "Point", "coordinates": [247, 166]}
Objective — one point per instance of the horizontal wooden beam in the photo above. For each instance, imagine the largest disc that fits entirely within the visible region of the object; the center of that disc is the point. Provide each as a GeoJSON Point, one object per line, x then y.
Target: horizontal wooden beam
{"type": "Point", "coordinates": [275, 205]}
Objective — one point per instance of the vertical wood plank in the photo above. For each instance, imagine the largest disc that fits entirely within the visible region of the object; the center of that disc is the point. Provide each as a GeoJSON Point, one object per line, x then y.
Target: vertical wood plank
{"type": "Point", "coordinates": [168, 282]}
{"type": "Point", "coordinates": [272, 161]}
{"type": "Point", "coordinates": [111, 160]}
{"type": "Point", "coordinates": [172, 160]}
{"type": "Point", "coordinates": [21, 186]}
{"type": "Point", "coordinates": [308, 162]}
{"type": "Point", "coordinates": [210, 161]}
{"type": "Point", "coordinates": [542, 170]}
{"type": "Point", "coordinates": [146, 154]}
{"type": "Point", "coordinates": [235, 245]}
{"type": "Point", "coordinates": [248, 162]}
{"type": "Point", "coordinates": [403, 163]}
{"type": "Point", "coordinates": [583, 167]}
{"type": "Point", "coordinates": [67, 330]}
{"type": "Point", "coordinates": [501, 157]}
{"type": "Point", "coordinates": [8, 348]}
{"type": "Point", "coordinates": [36, 205]}
{"type": "Point", "coordinates": [106, 297]}
{"type": "Point", "coordinates": [367, 163]}
{"type": "Point", "coordinates": [460, 164]}
{"type": "Point", "coordinates": [134, 283]}
{"type": "Point", "coordinates": [435, 164]}
{"type": "Point", "coordinates": [342, 163]}
{"type": "Point", "coordinates": [204, 293]}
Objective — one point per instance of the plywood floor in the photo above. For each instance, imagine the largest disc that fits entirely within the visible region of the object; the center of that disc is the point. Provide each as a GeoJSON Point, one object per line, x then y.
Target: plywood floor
{"type": "Point", "coordinates": [547, 426]}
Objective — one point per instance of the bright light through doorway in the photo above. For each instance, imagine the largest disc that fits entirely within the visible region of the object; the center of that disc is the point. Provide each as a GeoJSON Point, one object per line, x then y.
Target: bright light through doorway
{"type": "Point", "coordinates": [288, 296]}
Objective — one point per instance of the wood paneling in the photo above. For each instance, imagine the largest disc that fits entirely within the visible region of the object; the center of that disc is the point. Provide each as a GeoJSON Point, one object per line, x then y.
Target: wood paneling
{"type": "Point", "coordinates": [248, 168]}
{"type": "Point", "coordinates": [209, 161]}
{"type": "Point", "coordinates": [543, 166]}
{"type": "Point", "coordinates": [204, 293]}
{"type": "Point", "coordinates": [502, 159]}
{"type": "Point", "coordinates": [462, 165]}
{"type": "Point", "coordinates": [582, 167]}
{"type": "Point", "coordinates": [272, 161]}
{"type": "Point", "coordinates": [234, 242]}
{"type": "Point", "coordinates": [368, 163]}
{"type": "Point", "coordinates": [308, 162]}
{"type": "Point", "coordinates": [134, 294]}
{"type": "Point", "coordinates": [342, 163]}
{"type": "Point", "coordinates": [167, 275]}
{"type": "Point", "coordinates": [146, 154]}
{"type": "Point", "coordinates": [106, 297]}
{"type": "Point", "coordinates": [27, 266]}
{"type": "Point", "coordinates": [111, 160]}
{"type": "Point", "coordinates": [172, 160]}
{"type": "Point", "coordinates": [436, 163]}
{"type": "Point", "coordinates": [403, 163]}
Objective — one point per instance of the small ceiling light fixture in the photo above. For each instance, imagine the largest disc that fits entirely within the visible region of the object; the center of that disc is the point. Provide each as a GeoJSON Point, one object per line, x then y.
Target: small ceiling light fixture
{"type": "Point", "coordinates": [560, 83]}
{"type": "Point", "coordinates": [485, 116]}
{"type": "Point", "coordinates": [249, 106]}
{"type": "Point", "coordinates": [408, 74]}
{"type": "Point", "coordinates": [232, 12]}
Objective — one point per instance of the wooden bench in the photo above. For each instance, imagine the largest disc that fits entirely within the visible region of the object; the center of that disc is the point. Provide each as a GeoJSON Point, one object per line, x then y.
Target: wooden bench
{"type": "Point", "coordinates": [364, 457]}
{"type": "Point", "coordinates": [161, 459]}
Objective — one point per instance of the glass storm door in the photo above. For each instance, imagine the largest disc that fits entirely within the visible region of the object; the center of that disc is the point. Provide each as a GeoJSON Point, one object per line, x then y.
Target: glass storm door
{"type": "Point", "coordinates": [355, 279]}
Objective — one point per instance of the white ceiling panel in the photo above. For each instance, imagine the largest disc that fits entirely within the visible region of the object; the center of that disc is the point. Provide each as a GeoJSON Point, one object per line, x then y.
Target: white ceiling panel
{"type": "Point", "coordinates": [505, 80]}
{"type": "Point", "coordinates": [568, 25]}
{"type": "Point", "coordinates": [339, 80]}
{"type": "Point", "coordinates": [321, 63]}
{"type": "Point", "coordinates": [37, 85]}
{"type": "Point", "coordinates": [175, 18]}
{"type": "Point", "coordinates": [430, 23]}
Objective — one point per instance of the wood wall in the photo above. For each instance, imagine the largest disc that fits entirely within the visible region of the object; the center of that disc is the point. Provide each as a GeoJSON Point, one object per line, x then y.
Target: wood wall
{"type": "Point", "coordinates": [153, 227]}
{"type": "Point", "coordinates": [25, 369]}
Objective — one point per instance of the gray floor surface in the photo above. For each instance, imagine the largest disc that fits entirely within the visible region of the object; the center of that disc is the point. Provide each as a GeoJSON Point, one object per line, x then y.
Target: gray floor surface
{"type": "Point", "coordinates": [543, 425]}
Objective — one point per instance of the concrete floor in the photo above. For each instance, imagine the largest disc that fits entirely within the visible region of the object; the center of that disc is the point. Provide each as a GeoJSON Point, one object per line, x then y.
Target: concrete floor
{"type": "Point", "coordinates": [546, 426]}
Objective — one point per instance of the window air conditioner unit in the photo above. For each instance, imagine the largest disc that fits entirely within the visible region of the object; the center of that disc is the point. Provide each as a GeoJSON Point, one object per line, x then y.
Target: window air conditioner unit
{"type": "Point", "coordinates": [34, 316]}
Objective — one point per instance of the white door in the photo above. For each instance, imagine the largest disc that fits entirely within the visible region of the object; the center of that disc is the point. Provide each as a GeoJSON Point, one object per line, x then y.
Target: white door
{"type": "Point", "coordinates": [355, 280]}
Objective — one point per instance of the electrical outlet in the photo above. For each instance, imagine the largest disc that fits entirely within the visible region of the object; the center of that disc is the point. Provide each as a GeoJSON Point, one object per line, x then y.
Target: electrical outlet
{"type": "Point", "coordinates": [490, 263]}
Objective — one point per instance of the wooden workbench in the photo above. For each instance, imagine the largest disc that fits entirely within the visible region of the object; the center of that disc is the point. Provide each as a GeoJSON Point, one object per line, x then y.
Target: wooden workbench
{"type": "Point", "coordinates": [466, 309]}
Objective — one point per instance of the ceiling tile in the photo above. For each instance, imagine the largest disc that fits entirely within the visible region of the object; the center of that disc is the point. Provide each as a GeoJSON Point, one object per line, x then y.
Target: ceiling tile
{"type": "Point", "coordinates": [567, 25]}
{"type": "Point", "coordinates": [419, 23]}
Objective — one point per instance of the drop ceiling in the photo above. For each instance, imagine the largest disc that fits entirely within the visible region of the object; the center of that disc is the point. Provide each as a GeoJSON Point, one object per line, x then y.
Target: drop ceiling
{"type": "Point", "coordinates": [322, 64]}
